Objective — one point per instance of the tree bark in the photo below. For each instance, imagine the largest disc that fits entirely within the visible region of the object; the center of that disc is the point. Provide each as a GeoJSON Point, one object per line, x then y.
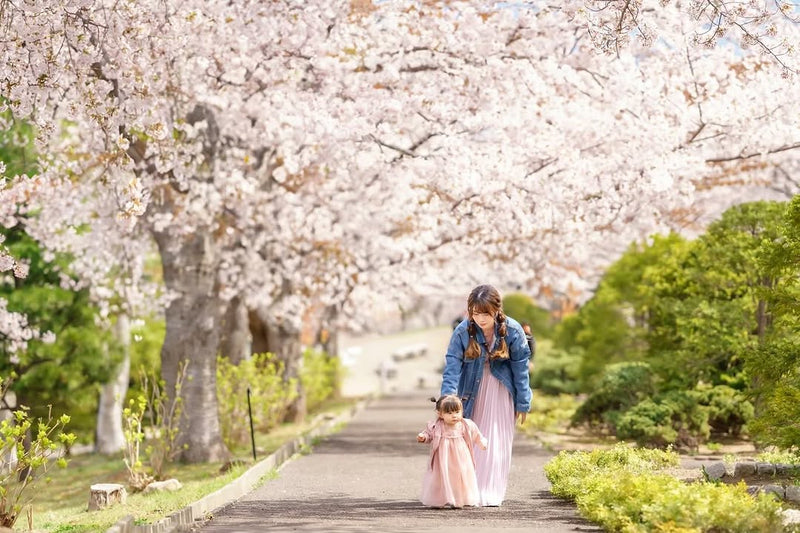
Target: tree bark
{"type": "Point", "coordinates": [109, 437]}
{"type": "Point", "coordinates": [193, 322]}
{"type": "Point", "coordinates": [329, 341]}
{"type": "Point", "coordinates": [235, 341]}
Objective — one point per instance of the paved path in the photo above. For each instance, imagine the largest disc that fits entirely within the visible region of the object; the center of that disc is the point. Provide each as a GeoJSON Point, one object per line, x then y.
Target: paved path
{"type": "Point", "coordinates": [367, 478]}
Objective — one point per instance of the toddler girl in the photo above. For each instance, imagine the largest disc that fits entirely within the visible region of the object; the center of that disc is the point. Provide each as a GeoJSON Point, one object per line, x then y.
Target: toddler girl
{"type": "Point", "coordinates": [450, 478]}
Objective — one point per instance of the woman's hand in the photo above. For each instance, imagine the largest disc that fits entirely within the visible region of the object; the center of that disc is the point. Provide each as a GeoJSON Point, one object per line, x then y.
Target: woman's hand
{"type": "Point", "coordinates": [521, 417]}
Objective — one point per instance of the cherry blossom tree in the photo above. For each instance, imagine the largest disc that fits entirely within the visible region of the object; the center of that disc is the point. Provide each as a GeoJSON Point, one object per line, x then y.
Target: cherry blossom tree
{"type": "Point", "coordinates": [354, 153]}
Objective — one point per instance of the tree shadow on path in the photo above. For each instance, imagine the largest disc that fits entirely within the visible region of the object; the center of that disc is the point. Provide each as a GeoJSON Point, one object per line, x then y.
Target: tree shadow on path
{"type": "Point", "coordinates": [343, 513]}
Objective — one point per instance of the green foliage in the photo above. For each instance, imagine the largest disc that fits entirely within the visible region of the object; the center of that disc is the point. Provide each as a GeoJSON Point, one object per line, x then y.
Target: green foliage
{"type": "Point", "coordinates": [158, 442]}
{"type": "Point", "coordinates": [729, 410]}
{"type": "Point", "coordinates": [17, 148]}
{"type": "Point", "coordinates": [522, 308]}
{"type": "Point", "coordinates": [147, 338]}
{"type": "Point", "coordinates": [567, 470]}
{"type": "Point", "coordinates": [269, 396]}
{"type": "Point", "coordinates": [613, 326]}
{"type": "Point", "coordinates": [555, 371]}
{"type": "Point", "coordinates": [675, 417]}
{"type": "Point", "coordinates": [164, 414]}
{"type": "Point", "coordinates": [550, 413]}
{"type": "Point", "coordinates": [623, 385]}
{"type": "Point", "coordinates": [789, 456]}
{"type": "Point", "coordinates": [133, 430]}
{"type": "Point", "coordinates": [774, 366]}
{"type": "Point", "coordinates": [716, 320]}
{"type": "Point", "coordinates": [625, 489]}
{"type": "Point", "coordinates": [320, 377]}
{"type": "Point", "coordinates": [65, 374]}
{"type": "Point", "coordinates": [22, 467]}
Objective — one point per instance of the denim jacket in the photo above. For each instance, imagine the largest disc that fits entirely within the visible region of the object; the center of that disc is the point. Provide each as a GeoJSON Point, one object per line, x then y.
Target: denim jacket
{"type": "Point", "coordinates": [463, 376]}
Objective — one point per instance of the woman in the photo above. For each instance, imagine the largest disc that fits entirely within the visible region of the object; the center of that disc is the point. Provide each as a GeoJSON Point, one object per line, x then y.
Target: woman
{"type": "Point", "coordinates": [487, 366]}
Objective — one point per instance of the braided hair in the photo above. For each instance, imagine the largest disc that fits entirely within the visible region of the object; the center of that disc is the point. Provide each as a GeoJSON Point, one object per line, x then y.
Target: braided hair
{"type": "Point", "coordinates": [486, 299]}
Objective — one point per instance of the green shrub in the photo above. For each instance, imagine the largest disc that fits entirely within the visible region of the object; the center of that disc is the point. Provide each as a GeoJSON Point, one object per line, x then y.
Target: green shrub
{"type": "Point", "coordinates": [555, 371]}
{"type": "Point", "coordinates": [568, 470]}
{"type": "Point", "coordinates": [622, 386]}
{"type": "Point", "coordinates": [675, 417]}
{"type": "Point", "coordinates": [320, 376]}
{"type": "Point", "coordinates": [625, 489]}
{"type": "Point", "coordinates": [523, 309]}
{"type": "Point", "coordinates": [550, 413]}
{"type": "Point", "coordinates": [729, 411]}
{"type": "Point", "coordinates": [269, 396]}
{"type": "Point", "coordinates": [22, 467]}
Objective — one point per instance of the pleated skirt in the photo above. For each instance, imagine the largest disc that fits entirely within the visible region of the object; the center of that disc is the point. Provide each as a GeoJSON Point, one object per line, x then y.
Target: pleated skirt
{"type": "Point", "coordinates": [494, 414]}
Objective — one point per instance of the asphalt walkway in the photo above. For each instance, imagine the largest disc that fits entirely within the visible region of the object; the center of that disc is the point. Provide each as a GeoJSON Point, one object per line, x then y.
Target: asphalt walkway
{"type": "Point", "coordinates": [368, 477]}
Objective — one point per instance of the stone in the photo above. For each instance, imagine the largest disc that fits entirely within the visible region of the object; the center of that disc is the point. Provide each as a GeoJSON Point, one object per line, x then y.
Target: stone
{"type": "Point", "coordinates": [103, 495]}
{"type": "Point", "coordinates": [715, 471]}
{"type": "Point", "coordinates": [791, 516]}
{"type": "Point", "coordinates": [765, 469]}
{"type": "Point", "coordinates": [162, 486]}
{"type": "Point", "coordinates": [793, 493]}
{"type": "Point", "coordinates": [777, 490]}
{"type": "Point", "coordinates": [744, 469]}
{"type": "Point", "coordinates": [752, 490]}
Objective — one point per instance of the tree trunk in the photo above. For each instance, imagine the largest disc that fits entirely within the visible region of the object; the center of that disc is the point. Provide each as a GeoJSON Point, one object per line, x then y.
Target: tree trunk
{"type": "Point", "coordinates": [283, 339]}
{"type": "Point", "coordinates": [193, 321]}
{"type": "Point", "coordinates": [235, 341]}
{"type": "Point", "coordinates": [329, 333]}
{"type": "Point", "coordinates": [109, 438]}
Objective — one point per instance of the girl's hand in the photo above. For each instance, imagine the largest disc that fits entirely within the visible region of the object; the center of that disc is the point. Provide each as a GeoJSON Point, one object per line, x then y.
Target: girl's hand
{"type": "Point", "coordinates": [421, 437]}
{"type": "Point", "coordinates": [521, 417]}
{"type": "Point", "coordinates": [483, 444]}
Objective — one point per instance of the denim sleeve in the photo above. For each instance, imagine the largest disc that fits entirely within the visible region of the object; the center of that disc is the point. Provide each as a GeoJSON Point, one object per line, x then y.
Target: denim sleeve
{"type": "Point", "coordinates": [454, 362]}
{"type": "Point", "coordinates": [519, 353]}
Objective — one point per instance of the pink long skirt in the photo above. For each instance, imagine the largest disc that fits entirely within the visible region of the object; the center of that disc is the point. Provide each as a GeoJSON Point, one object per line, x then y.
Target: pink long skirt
{"type": "Point", "coordinates": [494, 414]}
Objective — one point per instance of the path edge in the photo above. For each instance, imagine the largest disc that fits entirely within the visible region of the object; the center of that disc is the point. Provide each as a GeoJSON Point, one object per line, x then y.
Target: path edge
{"type": "Point", "coordinates": [244, 484]}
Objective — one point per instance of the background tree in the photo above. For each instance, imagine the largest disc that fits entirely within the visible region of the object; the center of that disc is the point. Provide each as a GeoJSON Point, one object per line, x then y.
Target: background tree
{"type": "Point", "coordinates": [288, 150]}
{"type": "Point", "coordinates": [773, 365]}
{"type": "Point", "coordinates": [65, 374]}
{"type": "Point", "coordinates": [695, 310]}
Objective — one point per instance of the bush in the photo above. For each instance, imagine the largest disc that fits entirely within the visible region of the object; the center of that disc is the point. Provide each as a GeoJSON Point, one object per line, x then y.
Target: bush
{"type": "Point", "coordinates": [555, 371]}
{"type": "Point", "coordinates": [625, 489]}
{"type": "Point", "coordinates": [21, 467]}
{"type": "Point", "coordinates": [550, 413]}
{"type": "Point", "coordinates": [675, 417]}
{"type": "Point", "coordinates": [320, 376]}
{"type": "Point", "coordinates": [269, 395]}
{"type": "Point", "coordinates": [622, 386]}
{"type": "Point", "coordinates": [729, 411]}
{"type": "Point", "coordinates": [522, 308]}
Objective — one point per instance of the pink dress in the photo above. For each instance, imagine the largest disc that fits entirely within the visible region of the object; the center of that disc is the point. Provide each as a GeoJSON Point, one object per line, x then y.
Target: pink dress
{"type": "Point", "coordinates": [450, 477]}
{"type": "Point", "coordinates": [493, 412]}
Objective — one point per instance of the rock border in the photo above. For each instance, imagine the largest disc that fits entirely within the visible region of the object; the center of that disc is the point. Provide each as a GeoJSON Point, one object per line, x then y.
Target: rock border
{"type": "Point", "coordinates": [742, 470]}
{"type": "Point", "coordinates": [244, 484]}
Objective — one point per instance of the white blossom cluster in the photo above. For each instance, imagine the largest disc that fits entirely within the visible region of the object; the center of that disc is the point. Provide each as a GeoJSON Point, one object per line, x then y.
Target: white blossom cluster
{"type": "Point", "coordinates": [352, 154]}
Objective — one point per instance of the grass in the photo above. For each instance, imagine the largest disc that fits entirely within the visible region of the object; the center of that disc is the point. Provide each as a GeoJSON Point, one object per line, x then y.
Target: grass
{"type": "Point", "coordinates": [61, 503]}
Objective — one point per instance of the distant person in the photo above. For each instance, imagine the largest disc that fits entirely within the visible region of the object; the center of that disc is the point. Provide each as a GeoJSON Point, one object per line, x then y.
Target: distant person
{"type": "Point", "coordinates": [450, 479]}
{"type": "Point", "coordinates": [458, 320]}
{"type": "Point", "coordinates": [487, 365]}
{"type": "Point", "coordinates": [530, 338]}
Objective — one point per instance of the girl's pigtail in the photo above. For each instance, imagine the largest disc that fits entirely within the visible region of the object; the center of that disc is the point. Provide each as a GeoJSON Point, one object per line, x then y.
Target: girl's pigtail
{"type": "Point", "coordinates": [473, 350]}
{"type": "Point", "coordinates": [502, 347]}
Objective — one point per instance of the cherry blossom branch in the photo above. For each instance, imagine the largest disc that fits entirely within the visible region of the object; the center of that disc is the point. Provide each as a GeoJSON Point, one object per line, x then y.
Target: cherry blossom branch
{"type": "Point", "coordinates": [741, 157]}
